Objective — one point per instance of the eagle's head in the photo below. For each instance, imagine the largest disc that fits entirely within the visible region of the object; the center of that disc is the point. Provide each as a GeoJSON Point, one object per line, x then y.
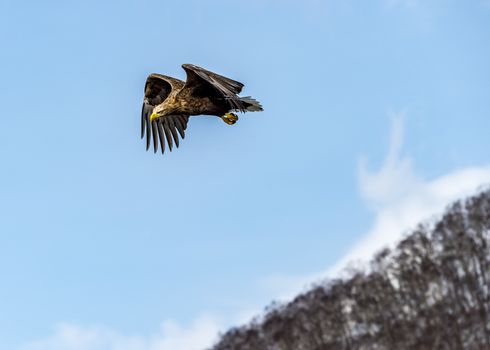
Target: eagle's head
{"type": "Point", "coordinates": [158, 112]}
{"type": "Point", "coordinates": [163, 110]}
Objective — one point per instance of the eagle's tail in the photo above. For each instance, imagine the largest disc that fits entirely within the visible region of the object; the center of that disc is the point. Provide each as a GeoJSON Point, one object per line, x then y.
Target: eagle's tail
{"type": "Point", "coordinates": [251, 104]}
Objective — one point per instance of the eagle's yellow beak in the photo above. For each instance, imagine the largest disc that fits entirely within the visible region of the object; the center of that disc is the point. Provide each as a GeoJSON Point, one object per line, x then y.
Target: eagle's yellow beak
{"type": "Point", "coordinates": [153, 116]}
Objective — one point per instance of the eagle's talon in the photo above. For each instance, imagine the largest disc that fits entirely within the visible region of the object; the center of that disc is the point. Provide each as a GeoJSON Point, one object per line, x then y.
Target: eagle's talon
{"type": "Point", "coordinates": [230, 118]}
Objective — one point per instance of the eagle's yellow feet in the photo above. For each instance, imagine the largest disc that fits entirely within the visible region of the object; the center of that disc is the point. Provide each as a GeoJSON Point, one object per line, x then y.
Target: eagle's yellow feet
{"type": "Point", "coordinates": [230, 118]}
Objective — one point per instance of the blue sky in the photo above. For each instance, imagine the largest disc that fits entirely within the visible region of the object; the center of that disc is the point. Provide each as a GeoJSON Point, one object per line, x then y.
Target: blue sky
{"type": "Point", "coordinates": [101, 240]}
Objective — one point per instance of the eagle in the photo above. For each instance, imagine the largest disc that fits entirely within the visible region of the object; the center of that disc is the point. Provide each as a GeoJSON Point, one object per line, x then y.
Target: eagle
{"type": "Point", "coordinates": [169, 102]}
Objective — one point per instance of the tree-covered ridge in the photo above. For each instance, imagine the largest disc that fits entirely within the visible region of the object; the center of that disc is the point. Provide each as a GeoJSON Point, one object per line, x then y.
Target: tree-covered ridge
{"type": "Point", "coordinates": [431, 292]}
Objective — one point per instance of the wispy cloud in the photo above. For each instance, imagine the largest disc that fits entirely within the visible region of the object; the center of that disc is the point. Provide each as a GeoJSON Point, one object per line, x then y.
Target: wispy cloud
{"type": "Point", "coordinates": [400, 198]}
{"type": "Point", "coordinates": [395, 179]}
{"type": "Point", "coordinates": [197, 336]}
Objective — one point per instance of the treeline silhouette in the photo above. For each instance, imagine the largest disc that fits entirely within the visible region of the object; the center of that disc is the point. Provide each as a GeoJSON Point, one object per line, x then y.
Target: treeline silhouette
{"type": "Point", "coordinates": [430, 292]}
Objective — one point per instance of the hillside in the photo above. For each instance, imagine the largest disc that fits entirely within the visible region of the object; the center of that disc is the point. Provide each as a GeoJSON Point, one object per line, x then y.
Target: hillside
{"type": "Point", "coordinates": [430, 292]}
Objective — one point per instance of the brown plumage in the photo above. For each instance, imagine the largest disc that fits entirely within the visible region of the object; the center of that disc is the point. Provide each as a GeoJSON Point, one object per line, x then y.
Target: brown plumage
{"type": "Point", "coordinates": [169, 103]}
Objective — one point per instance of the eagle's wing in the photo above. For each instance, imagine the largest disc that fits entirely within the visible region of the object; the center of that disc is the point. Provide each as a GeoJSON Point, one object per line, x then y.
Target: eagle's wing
{"type": "Point", "coordinates": [168, 127]}
{"type": "Point", "coordinates": [157, 88]}
{"type": "Point", "coordinates": [203, 82]}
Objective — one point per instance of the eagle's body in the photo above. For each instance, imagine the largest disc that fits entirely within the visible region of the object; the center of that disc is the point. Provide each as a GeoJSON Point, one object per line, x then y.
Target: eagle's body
{"type": "Point", "coordinates": [169, 103]}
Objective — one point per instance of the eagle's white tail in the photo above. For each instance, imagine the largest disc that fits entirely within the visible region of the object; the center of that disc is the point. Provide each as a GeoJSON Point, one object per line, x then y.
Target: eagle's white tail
{"type": "Point", "coordinates": [251, 104]}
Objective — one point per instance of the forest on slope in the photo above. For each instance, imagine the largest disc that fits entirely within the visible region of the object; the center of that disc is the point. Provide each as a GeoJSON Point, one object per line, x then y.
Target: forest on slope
{"type": "Point", "coordinates": [430, 292]}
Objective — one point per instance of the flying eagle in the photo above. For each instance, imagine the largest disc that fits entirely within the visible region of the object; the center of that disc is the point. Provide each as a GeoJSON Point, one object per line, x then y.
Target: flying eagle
{"type": "Point", "coordinates": [169, 103]}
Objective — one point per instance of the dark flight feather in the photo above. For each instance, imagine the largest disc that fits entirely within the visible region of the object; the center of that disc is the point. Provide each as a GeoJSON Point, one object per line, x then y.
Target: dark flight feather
{"type": "Point", "coordinates": [161, 135]}
{"type": "Point", "coordinates": [173, 130]}
{"type": "Point", "coordinates": [154, 129]}
{"type": "Point", "coordinates": [168, 135]}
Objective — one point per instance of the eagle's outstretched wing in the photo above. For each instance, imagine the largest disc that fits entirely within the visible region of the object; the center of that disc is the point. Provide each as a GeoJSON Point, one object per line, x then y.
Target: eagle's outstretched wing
{"type": "Point", "coordinates": [157, 88]}
{"type": "Point", "coordinates": [167, 128]}
{"type": "Point", "coordinates": [205, 83]}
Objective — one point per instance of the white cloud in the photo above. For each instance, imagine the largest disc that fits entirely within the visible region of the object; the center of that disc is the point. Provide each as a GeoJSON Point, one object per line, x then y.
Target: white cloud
{"type": "Point", "coordinates": [200, 334]}
{"type": "Point", "coordinates": [395, 179]}
{"type": "Point", "coordinates": [400, 199]}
